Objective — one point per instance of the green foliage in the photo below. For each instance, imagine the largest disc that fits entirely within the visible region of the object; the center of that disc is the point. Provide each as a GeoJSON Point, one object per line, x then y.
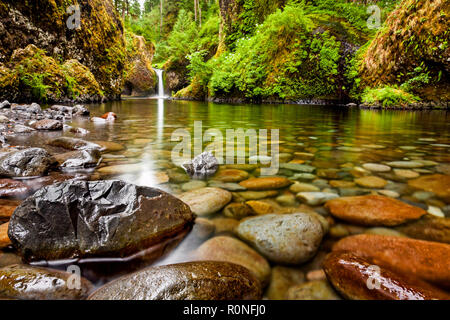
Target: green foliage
{"type": "Point", "coordinates": [284, 60]}
{"type": "Point", "coordinates": [388, 97]}
{"type": "Point", "coordinates": [36, 82]}
{"type": "Point", "coordinates": [419, 78]}
{"type": "Point", "coordinates": [182, 40]}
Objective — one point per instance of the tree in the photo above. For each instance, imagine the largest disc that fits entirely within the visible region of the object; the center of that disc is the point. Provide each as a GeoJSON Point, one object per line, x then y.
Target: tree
{"type": "Point", "coordinates": [149, 5]}
{"type": "Point", "coordinates": [135, 9]}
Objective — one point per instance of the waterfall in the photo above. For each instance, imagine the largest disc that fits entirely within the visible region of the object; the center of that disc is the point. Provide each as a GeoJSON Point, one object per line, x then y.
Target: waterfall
{"type": "Point", "coordinates": [159, 73]}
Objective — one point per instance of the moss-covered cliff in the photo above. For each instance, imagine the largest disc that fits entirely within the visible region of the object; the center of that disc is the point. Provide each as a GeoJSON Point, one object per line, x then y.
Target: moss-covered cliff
{"type": "Point", "coordinates": [140, 79]}
{"type": "Point", "coordinates": [411, 51]}
{"type": "Point", "coordinates": [96, 50]}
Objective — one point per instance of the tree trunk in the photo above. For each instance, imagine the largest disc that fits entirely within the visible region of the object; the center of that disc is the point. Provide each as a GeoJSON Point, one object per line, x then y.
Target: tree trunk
{"type": "Point", "coordinates": [195, 9]}
{"type": "Point", "coordinates": [161, 2]}
{"type": "Point", "coordinates": [199, 13]}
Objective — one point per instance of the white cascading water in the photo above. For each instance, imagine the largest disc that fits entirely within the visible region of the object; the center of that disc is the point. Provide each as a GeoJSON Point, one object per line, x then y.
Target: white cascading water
{"type": "Point", "coordinates": [159, 73]}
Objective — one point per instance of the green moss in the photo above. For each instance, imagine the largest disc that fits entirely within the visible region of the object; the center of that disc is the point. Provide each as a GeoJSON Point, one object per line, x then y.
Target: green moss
{"type": "Point", "coordinates": [388, 97]}
{"type": "Point", "coordinates": [80, 81]}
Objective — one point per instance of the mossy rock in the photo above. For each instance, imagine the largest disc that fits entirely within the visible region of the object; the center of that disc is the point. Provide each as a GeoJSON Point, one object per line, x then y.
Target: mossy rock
{"type": "Point", "coordinates": [412, 50]}
{"type": "Point", "coordinates": [81, 83]}
{"type": "Point", "coordinates": [41, 77]}
{"type": "Point", "coordinates": [140, 78]}
{"type": "Point", "coordinates": [98, 44]}
{"type": "Point", "coordinates": [34, 76]}
{"type": "Point", "coordinates": [9, 83]}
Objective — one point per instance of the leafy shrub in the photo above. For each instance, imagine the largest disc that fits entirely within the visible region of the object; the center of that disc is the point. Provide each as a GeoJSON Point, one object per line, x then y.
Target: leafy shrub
{"type": "Point", "coordinates": [388, 97]}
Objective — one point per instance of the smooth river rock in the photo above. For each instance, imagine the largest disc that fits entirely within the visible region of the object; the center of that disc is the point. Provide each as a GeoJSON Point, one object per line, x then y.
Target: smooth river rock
{"type": "Point", "coordinates": [312, 290]}
{"type": "Point", "coordinates": [371, 182]}
{"type": "Point", "coordinates": [265, 183]}
{"type": "Point", "coordinates": [283, 238]}
{"type": "Point", "coordinates": [230, 175]}
{"type": "Point", "coordinates": [436, 183]}
{"type": "Point", "coordinates": [406, 164]}
{"type": "Point", "coordinates": [4, 239]}
{"type": "Point", "coordinates": [205, 201]}
{"type": "Point", "coordinates": [376, 167]}
{"type": "Point", "coordinates": [26, 163]}
{"type": "Point", "coordinates": [223, 248]}
{"type": "Point", "coordinates": [429, 228]}
{"type": "Point", "coordinates": [357, 279]}
{"type": "Point", "coordinates": [373, 210]}
{"type": "Point", "coordinates": [73, 144]}
{"type": "Point", "coordinates": [426, 260]}
{"type": "Point", "coordinates": [33, 283]}
{"type": "Point", "coordinates": [316, 198]}
{"type": "Point", "coordinates": [282, 278]}
{"type": "Point", "coordinates": [95, 218]}
{"type": "Point", "coordinates": [13, 188]}
{"type": "Point", "coordinates": [203, 280]}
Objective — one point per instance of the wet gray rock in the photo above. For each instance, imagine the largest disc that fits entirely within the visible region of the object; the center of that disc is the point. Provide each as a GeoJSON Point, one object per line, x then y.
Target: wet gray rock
{"type": "Point", "coordinates": [26, 163]}
{"type": "Point", "coordinates": [33, 283]}
{"type": "Point", "coordinates": [96, 218]}
{"type": "Point", "coordinates": [28, 108]}
{"type": "Point", "coordinates": [18, 128]}
{"type": "Point", "coordinates": [47, 124]}
{"type": "Point", "coordinates": [5, 104]}
{"type": "Point", "coordinates": [73, 144]}
{"type": "Point", "coordinates": [283, 238]}
{"type": "Point", "coordinates": [202, 166]}
{"type": "Point", "coordinates": [75, 111]}
{"type": "Point", "coordinates": [79, 159]}
{"type": "Point", "coordinates": [203, 280]}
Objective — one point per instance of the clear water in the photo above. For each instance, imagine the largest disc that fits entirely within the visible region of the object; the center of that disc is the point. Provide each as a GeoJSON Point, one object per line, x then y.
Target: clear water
{"type": "Point", "coordinates": [145, 127]}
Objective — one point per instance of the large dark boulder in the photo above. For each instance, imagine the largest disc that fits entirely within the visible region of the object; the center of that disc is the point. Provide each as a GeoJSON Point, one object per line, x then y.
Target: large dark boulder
{"type": "Point", "coordinates": [95, 219]}
{"type": "Point", "coordinates": [203, 280]}
{"type": "Point", "coordinates": [25, 163]}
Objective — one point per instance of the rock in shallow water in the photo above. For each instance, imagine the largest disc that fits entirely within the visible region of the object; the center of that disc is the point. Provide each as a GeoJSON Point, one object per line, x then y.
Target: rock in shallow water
{"type": "Point", "coordinates": [4, 239]}
{"type": "Point", "coordinates": [426, 260]}
{"type": "Point", "coordinates": [79, 159]}
{"type": "Point", "coordinates": [232, 250]}
{"type": "Point", "coordinates": [203, 165]}
{"type": "Point", "coordinates": [437, 183]}
{"type": "Point", "coordinates": [47, 124]}
{"type": "Point", "coordinates": [34, 283]}
{"type": "Point", "coordinates": [429, 228]}
{"type": "Point", "coordinates": [266, 183]}
{"type": "Point", "coordinates": [203, 280]}
{"type": "Point", "coordinates": [373, 210]}
{"type": "Point", "coordinates": [205, 201]}
{"type": "Point", "coordinates": [13, 188]}
{"type": "Point", "coordinates": [73, 144]}
{"type": "Point", "coordinates": [282, 278]}
{"type": "Point", "coordinates": [25, 163]}
{"type": "Point", "coordinates": [312, 290]}
{"type": "Point", "coordinates": [283, 238]}
{"type": "Point", "coordinates": [316, 198]}
{"type": "Point", "coordinates": [96, 218]}
{"type": "Point", "coordinates": [356, 278]}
